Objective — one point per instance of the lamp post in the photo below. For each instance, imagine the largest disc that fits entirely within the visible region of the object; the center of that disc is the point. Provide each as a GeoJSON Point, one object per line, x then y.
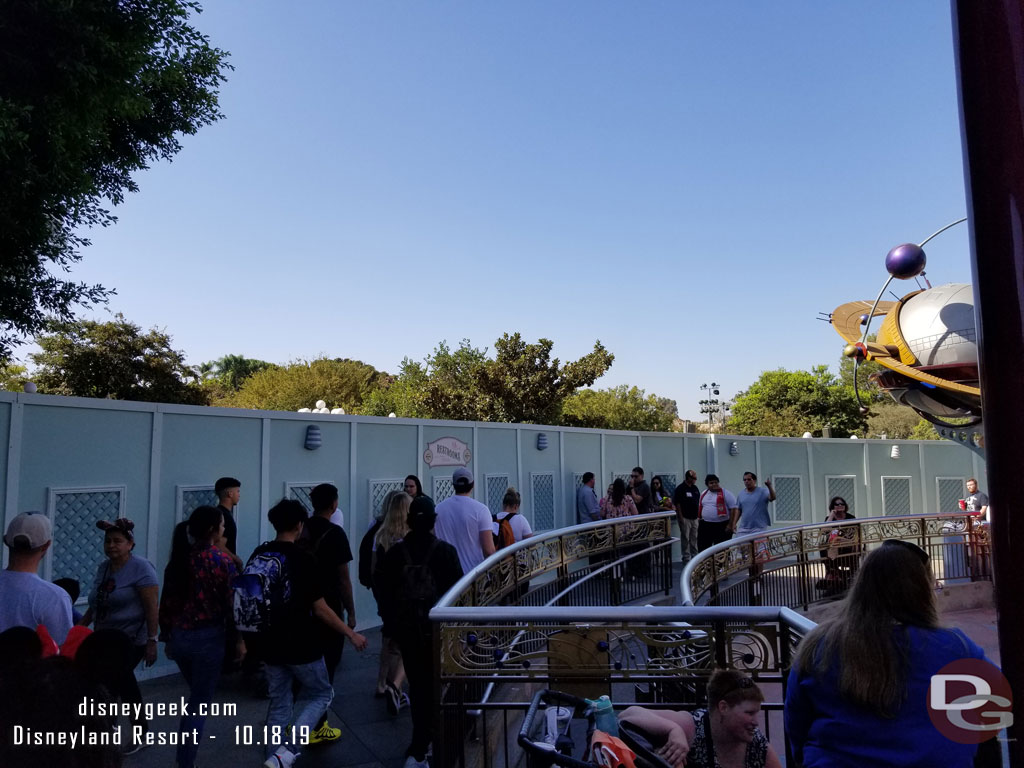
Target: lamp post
{"type": "Point", "coordinates": [711, 405]}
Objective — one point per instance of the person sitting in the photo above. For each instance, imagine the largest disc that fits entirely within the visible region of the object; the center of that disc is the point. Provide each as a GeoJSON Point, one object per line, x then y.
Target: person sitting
{"type": "Point", "coordinates": [724, 734]}
{"type": "Point", "coordinates": [858, 689]}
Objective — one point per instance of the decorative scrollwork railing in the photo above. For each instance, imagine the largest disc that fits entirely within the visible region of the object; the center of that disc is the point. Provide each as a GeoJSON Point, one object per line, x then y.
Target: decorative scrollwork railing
{"type": "Point", "coordinates": [789, 566]}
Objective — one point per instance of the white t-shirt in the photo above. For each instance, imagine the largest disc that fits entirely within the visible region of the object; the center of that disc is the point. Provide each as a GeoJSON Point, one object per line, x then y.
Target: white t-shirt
{"type": "Point", "coordinates": [338, 518]}
{"type": "Point", "coordinates": [26, 601]}
{"type": "Point", "coordinates": [709, 506]}
{"type": "Point", "coordinates": [460, 520]}
{"type": "Point", "coordinates": [520, 525]}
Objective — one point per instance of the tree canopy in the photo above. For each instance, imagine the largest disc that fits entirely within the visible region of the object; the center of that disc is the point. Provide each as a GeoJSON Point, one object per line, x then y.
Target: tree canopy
{"type": "Point", "coordinates": [785, 403]}
{"type": "Point", "coordinates": [341, 383]}
{"type": "Point", "coordinates": [113, 360]}
{"type": "Point", "coordinates": [91, 92]}
{"type": "Point", "coordinates": [621, 407]}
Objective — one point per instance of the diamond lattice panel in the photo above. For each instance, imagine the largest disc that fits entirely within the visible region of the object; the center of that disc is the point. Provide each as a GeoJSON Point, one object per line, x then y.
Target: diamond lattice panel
{"type": "Point", "coordinates": [542, 487]}
{"type": "Point", "coordinates": [77, 543]}
{"type": "Point", "coordinates": [496, 487]}
{"type": "Point", "coordinates": [193, 499]}
{"type": "Point", "coordinates": [896, 496]}
{"type": "Point", "coordinates": [788, 499]}
{"type": "Point", "coordinates": [668, 481]}
{"type": "Point", "coordinates": [301, 493]}
{"type": "Point", "coordinates": [381, 488]}
{"type": "Point", "coordinates": [443, 489]}
{"type": "Point", "coordinates": [577, 480]}
{"type": "Point", "coordinates": [950, 491]}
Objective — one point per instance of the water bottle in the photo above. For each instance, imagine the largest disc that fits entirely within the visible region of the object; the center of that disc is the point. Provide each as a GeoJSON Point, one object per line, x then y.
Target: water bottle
{"type": "Point", "coordinates": [604, 716]}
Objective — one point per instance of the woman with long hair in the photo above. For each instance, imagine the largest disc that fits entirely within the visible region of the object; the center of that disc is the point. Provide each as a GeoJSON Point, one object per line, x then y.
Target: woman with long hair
{"type": "Point", "coordinates": [840, 550]}
{"type": "Point", "coordinates": [724, 734]}
{"type": "Point", "coordinates": [393, 528]}
{"type": "Point", "coordinates": [412, 486]}
{"type": "Point", "coordinates": [858, 690]}
{"type": "Point", "coordinates": [660, 498]}
{"type": "Point", "coordinates": [195, 613]}
{"type": "Point", "coordinates": [618, 503]}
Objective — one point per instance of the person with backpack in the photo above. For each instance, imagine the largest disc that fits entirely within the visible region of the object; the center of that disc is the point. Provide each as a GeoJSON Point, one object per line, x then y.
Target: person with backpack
{"type": "Point", "coordinates": [279, 605]}
{"type": "Point", "coordinates": [328, 543]}
{"type": "Point", "coordinates": [415, 572]}
{"type": "Point", "coordinates": [509, 525]}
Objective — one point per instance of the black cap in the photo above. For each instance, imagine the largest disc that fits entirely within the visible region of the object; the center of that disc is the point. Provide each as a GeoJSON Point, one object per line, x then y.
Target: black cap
{"type": "Point", "coordinates": [422, 513]}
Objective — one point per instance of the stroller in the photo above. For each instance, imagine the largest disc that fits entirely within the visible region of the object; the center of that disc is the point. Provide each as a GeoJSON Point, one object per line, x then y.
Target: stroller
{"type": "Point", "coordinates": [567, 718]}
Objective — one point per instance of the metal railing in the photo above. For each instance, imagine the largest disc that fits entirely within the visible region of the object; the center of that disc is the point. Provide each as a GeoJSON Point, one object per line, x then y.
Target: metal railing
{"type": "Point", "coordinates": [791, 566]}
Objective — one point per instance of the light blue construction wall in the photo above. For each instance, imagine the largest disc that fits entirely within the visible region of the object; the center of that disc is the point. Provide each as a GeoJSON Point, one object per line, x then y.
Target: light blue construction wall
{"type": "Point", "coordinates": [66, 455]}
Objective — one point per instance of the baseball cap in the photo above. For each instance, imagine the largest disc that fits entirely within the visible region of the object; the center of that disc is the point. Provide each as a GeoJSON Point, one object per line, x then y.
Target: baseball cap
{"type": "Point", "coordinates": [28, 530]}
{"type": "Point", "coordinates": [462, 477]}
{"type": "Point", "coordinates": [422, 513]}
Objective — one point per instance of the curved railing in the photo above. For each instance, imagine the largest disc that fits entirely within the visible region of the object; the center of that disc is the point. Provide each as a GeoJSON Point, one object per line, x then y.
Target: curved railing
{"type": "Point", "coordinates": [629, 556]}
{"type": "Point", "coordinates": [784, 567]}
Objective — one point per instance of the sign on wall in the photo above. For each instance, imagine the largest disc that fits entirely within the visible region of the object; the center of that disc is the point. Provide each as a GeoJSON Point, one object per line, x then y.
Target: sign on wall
{"type": "Point", "coordinates": [447, 452]}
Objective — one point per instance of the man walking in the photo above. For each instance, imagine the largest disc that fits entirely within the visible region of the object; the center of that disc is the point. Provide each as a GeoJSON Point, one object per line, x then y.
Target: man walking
{"type": "Point", "coordinates": [718, 507]}
{"type": "Point", "coordinates": [25, 599]}
{"type": "Point", "coordinates": [685, 499]}
{"type": "Point", "coordinates": [586, 501]}
{"type": "Point", "coordinates": [329, 545]}
{"type": "Point", "coordinates": [288, 638]}
{"type": "Point", "coordinates": [465, 523]}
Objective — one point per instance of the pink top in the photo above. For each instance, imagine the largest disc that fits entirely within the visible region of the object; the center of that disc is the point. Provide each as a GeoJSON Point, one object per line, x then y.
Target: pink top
{"type": "Point", "coordinates": [626, 509]}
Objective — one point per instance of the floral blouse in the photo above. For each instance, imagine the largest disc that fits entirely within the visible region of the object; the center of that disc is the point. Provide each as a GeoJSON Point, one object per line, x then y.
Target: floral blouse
{"type": "Point", "coordinates": [608, 510]}
{"type": "Point", "coordinates": [757, 750]}
{"type": "Point", "coordinates": [208, 598]}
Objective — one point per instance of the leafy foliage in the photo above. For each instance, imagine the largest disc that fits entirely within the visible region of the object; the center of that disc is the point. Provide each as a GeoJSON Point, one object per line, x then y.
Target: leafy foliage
{"type": "Point", "coordinates": [340, 383]}
{"type": "Point", "coordinates": [231, 371]}
{"type": "Point", "coordinates": [621, 407]}
{"type": "Point", "coordinates": [785, 403]}
{"type": "Point", "coordinates": [404, 395]}
{"type": "Point", "coordinates": [113, 360]}
{"type": "Point", "coordinates": [13, 377]}
{"type": "Point", "coordinates": [91, 92]}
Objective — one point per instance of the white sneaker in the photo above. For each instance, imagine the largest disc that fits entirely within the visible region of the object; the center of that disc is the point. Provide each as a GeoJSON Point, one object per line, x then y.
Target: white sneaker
{"type": "Point", "coordinates": [412, 762]}
{"type": "Point", "coordinates": [283, 758]}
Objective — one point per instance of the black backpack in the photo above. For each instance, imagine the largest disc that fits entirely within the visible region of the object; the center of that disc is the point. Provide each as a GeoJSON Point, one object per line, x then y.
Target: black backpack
{"type": "Point", "coordinates": [417, 592]}
{"type": "Point", "coordinates": [366, 555]}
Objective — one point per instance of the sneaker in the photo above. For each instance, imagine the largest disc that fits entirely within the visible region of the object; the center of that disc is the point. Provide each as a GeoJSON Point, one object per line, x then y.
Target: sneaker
{"type": "Point", "coordinates": [412, 762]}
{"type": "Point", "coordinates": [324, 734]}
{"type": "Point", "coordinates": [394, 699]}
{"type": "Point", "coordinates": [280, 759]}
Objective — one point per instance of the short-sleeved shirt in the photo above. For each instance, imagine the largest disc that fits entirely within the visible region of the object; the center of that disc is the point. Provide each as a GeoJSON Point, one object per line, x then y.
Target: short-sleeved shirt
{"type": "Point", "coordinates": [685, 499]}
{"type": "Point", "coordinates": [460, 521]}
{"type": "Point", "coordinates": [206, 601]}
{"type": "Point", "coordinates": [709, 506]}
{"type": "Point", "coordinates": [976, 501]}
{"type": "Point", "coordinates": [329, 545]}
{"type": "Point", "coordinates": [115, 599]}
{"type": "Point", "coordinates": [754, 509]}
{"type": "Point", "coordinates": [520, 525]}
{"type": "Point", "coordinates": [294, 637]}
{"type": "Point", "coordinates": [230, 528]}
{"type": "Point", "coordinates": [643, 490]}
{"type": "Point", "coordinates": [28, 601]}
{"type": "Point", "coordinates": [698, 756]}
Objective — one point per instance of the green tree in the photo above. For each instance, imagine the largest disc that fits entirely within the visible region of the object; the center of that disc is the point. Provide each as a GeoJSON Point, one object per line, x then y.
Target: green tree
{"type": "Point", "coordinates": [522, 384]}
{"type": "Point", "coordinates": [113, 360]}
{"type": "Point", "coordinates": [893, 420]}
{"type": "Point", "coordinates": [869, 390]}
{"type": "Point", "coordinates": [785, 403]}
{"type": "Point", "coordinates": [231, 371]}
{"type": "Point", "coordinates": [404, 395]}
{"type": "Point", "coordinates": [340, 383]}
{"type": "Point", "coordinates": [91, 93]}
{"type": "Point", "coordinates": [450, 390]}
{"type": "Point", "coordinates": [621, 407]}
{"type": "Point", "coordinates": [13, 377]}
{"type": "Point", "coordinates": [924, 431]}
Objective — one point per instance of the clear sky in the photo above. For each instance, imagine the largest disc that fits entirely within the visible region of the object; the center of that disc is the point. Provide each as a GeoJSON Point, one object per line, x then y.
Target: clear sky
{"type": "Point", "coordinates": [689, 182]}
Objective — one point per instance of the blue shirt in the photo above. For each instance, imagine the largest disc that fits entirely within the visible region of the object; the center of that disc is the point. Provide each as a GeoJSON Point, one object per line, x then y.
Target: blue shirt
{"type": "Point", "coordinates": [115, 598]}
{"type": "Point", "coordinates": [754, 508]}
{"type": "Point", "coordinates": [827, 730]}
{"type": "Point", "coordinates": [586, 505]}
{"type": "Point", "coordinates": [27, 601]}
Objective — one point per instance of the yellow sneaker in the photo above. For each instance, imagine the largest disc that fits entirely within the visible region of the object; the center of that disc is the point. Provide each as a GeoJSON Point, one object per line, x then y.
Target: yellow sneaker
{"type": "Point", "coordinates": [324, 734]}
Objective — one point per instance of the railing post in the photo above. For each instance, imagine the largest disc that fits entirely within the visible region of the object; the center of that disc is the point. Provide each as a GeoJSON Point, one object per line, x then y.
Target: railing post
{"type": "Point", "coordinates": [803, 574]}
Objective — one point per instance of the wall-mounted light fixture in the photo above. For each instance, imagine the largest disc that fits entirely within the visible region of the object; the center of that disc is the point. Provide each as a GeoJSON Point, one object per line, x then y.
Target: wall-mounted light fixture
{"type": "Point", "coordinates": [542, 441]}
{"type": "Point", "coordinates": [895, 452]}
{"type": "Point", "coordinates": [734, 448]}
{"type": "Point", "coordinates": [314, 439]}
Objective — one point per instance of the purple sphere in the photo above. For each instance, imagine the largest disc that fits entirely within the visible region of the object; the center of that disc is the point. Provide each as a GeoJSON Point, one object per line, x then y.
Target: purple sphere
{"type": "Point", "coordinates": [905, 261]}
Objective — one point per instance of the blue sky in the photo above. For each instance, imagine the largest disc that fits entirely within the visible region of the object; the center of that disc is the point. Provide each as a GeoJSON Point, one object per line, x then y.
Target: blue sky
{"type": "Point", "coordinates": [688, 182]}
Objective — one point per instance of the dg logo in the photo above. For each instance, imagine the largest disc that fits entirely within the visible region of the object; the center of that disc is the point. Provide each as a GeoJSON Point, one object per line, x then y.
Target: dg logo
{"type": "Point", "coordinates": [969, 701]}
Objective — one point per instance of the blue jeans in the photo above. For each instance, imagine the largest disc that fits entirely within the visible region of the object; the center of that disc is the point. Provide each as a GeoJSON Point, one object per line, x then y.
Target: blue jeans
{"type": "Point", "coordinates": [315, 695]}
{"type": "Point", "coordinates": [199, 654]}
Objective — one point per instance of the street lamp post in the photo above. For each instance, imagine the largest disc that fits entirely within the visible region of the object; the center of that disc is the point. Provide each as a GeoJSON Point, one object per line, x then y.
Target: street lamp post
{"type": "Point", "coordinates": [711, 405]}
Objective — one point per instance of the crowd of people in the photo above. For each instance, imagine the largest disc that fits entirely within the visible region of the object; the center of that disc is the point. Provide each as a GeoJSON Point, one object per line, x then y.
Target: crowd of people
{"type": "Point", "coordinates": [290, 606]}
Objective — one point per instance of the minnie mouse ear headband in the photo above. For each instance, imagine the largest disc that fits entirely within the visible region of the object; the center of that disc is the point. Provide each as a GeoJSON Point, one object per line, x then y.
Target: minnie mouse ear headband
{"type": "Point", "coordinates": [122, 525]}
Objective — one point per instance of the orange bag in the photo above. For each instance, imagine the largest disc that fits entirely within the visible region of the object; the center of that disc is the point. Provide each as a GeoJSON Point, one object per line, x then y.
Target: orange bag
{"type": "Point", "coordinates": [610, 751]}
